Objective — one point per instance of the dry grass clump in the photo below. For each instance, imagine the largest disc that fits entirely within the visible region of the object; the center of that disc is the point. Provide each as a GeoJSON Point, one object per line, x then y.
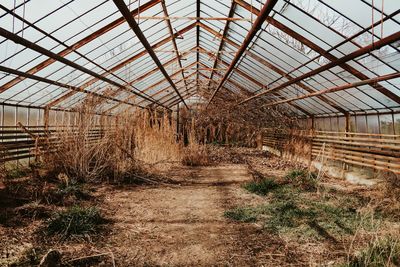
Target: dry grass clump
{"type": "Point", "coordinates": [387, 197]}
{"type": "Point", "coordinates": [111, 148]}
{"type": "Point", "coordinates": [382, 251]}
{"type": "Point", "coordinates": [155, 139]}
{"type": "Point", "coordinates": [226, 123]}
{"type": "Point", "coordinates": [75, 221]}
{"type": "Point", "coordinates": [81, 151]}
{"type": "Point", "coordinates": [194, 154]}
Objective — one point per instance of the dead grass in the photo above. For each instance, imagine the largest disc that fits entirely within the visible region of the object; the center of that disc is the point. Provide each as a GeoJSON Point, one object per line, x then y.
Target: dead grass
{"type": "Point", "coordinates": [75, 221]}
{"type": "Point", "coordinates": [381, 251]}
{"type": "Point", "coordinates": [123, 147]}
{"type": "Point", "coordinates": [155, 139]}
{"type": "Point", "coordinates": [195, 154]}
{"type": "Point", "coordinates": [386, 196]}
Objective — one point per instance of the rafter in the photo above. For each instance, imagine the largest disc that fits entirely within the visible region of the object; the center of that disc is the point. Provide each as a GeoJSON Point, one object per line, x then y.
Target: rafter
{"type": "Point", "coordinates": [138, 32]}
{"type": "Point", "coordinates": [171, 32]}
{"type": "Point", "coordinates": [270, 66]}
{"type": "Point", "coordinates": [248, 77]}
{"type": "Point", "coordinates": [267, 8]}
{"type": "Point", "coordinates": [362, 51]}
{"type": "Point", "coordinates": [125, 62]}
{"type": "Point", "coordinates": [339, 88]}
{"type": "Point", "coordinates": [131, 98]}
{"type": "Point", "coordinates": [28, 44]}
{"type": "Point", "coordinates": [63, 85]}
{"type": "Point", "coordinates": [221, 44]}
{"type": "Point", "coordinates": [320, 50]}
{"type": "Point", "coordinates": [79, 44]}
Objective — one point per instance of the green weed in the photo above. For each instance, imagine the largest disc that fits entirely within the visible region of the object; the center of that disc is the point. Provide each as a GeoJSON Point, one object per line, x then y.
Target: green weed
{"type": "Point", "coordinates": [302, 178]}
{"type": "Point", "coordinates": [381, 252]}
{"type": "Point", "coordinates": [242, 214]}
{"type": "Point", "coordinates": [17, 172]}
{"type": "Point", "coordinates": [262, 187]}
{"type": "Point", "coordinates": [76, 221]}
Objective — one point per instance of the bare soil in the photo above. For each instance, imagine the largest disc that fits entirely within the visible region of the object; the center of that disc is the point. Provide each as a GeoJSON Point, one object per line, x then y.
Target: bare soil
{"type": "Point", "coordinates": [183, 225]}
{"type": "Point", "coordinates": [176, 224]}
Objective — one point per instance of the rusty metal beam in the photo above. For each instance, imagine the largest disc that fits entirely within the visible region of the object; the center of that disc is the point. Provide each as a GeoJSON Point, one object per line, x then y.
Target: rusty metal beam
{"type": "Point", "coordinates": [70, 87]}
{"type": "Point", "coordinates": [63, 44]}
{"type": "Point", "coordinates": [154, 85]}
{"type": "Point", "coordinates": [221, 44]}
{"type": "Point", "coordinates": [248, 77]}
{"type": "Point", "coordinates": [197, 38]}
{"type": "Point", "coordinates": [319, 50]}
{"type": "Point", "coordinates": [136, 29]}
{"type": "Point", "coordinates": [164, 80]}
{"type": "Point", "coordinates": [79, 44]}
{"type": "Point", "coordinates": [340, 88]}
{"type": "Point", "coordinates": [267, 8]}
{"type": "Point", "coordinates": [125, 62]}
{"type": "Point", "coordinates": [362, 51]}
{"type": "Point", "coordinates": [171, 32]}
{"type": "Point", "coordinates": [191, 92]}
{"type": "Point", "coordinates": [272, 67]}
{"type": "Point", "coordinates": [244, 91]}
{"type": "Point", "coordinates": [28, 44]}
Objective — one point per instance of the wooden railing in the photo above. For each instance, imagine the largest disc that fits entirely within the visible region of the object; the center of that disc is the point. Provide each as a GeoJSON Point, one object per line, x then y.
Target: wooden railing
{"type": "Point", "coordinates": [17, 143]}
{"type": "Point", "coordinates": [377, 151]}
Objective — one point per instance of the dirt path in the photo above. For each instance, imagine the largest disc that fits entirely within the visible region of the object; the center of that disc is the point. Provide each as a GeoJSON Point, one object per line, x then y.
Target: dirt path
{"type": "Point", "coordinates": [184, 225]}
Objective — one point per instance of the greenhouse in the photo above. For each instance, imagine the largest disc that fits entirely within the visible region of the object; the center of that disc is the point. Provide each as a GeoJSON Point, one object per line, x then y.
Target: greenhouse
{"type": "Point", "coordinates": [200, 133]}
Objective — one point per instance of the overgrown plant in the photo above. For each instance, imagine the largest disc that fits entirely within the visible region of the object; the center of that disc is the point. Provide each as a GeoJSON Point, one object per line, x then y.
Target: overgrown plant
{"type": "Point", "coordinates": [387, 199]}
{"type": "Point", "coordinates": [80, 150]}
{"type": "Point", "coordinates": [155, 138]}
{"type": "Point", "coordinates": [15, 171]}
{"type": "Point", "coordinates": [194, 154]}
{"type": "Point", "coordinates": [262, 187]}
{"type": "Point", "coordinates": [301, 177]}
{"type": "Point", "coordinates": [383, 252]}
{"type": "Point", "coordinates": [76, 221]}
{"type": "Point", "coordinates": [95, 147]}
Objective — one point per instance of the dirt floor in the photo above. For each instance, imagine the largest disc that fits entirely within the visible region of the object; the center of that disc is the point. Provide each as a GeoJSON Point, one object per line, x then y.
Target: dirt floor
{"type": "Point", "coordinates": [180, 224]}
{"type": "Point", "coordinates": [183, 225]}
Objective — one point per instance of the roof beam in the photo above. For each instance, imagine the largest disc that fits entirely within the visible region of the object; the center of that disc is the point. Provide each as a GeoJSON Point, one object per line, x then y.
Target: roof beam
{"type": "Point", "coordinates": [192, 18]}
{"type": "Point", "coordinates": [320, 50]}
{"type": "Point", "coordinates": [221, 44]}
{"type": "Point", "coordinates": [156, 84]}
{"type": "Point", "coordinates": [164, 80]}
{"type": "Point", "coordinates": [267, 8]}
{"type": "Point", "coordinates": [171, 32]}
{"type": "Point", "coordinates": [28, 44]}
{"type": "Point", "coordinates": [125, 62]}
{"type": "Point", "coordinates": [362, 51]}
{"type": "Point", "coordinates": [70, 87]}
{"type": "Point", "coordinates": [246, 76]}
{"type": "Point", "coordinates": [272, 67]}
{"type": "Point", "coordinates": [135, 28]}
{"type": "Point", "coordinates": [79, 44]}
{"type": "Point", "coordinates": [63, 44]}
{"type": "Point", "coordinates": [197, 38]}
{"type": "Point", "coordinates": [340, 88]}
